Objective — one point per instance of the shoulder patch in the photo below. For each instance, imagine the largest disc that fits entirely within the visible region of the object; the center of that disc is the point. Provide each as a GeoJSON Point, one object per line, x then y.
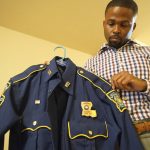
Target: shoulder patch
{"type": "Point", "coordinates": [28, 72]}
{"type": "Point", "coordinates": [115, 97]}
{"type": "Point", "coordinates": [2, 97]}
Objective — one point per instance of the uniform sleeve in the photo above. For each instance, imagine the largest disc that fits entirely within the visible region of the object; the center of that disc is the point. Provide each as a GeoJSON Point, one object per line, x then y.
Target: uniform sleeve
{"type": "Point", "coordinates": [8, 113]}
{"type": "Point", "coordinates": [128, 138]}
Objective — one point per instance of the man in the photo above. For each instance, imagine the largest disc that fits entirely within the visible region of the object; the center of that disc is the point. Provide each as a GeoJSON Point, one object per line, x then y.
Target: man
{"type": "Point", "coordinates": [125, 64]}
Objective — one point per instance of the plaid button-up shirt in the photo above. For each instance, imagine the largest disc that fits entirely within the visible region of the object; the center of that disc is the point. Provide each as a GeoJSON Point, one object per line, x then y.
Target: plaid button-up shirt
{"type": "Point", "coordinates": [132, 58]}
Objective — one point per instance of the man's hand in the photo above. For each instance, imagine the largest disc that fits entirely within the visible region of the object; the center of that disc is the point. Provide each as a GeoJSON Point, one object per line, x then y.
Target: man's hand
{"type": "Point", "coordinates": [126, 81]}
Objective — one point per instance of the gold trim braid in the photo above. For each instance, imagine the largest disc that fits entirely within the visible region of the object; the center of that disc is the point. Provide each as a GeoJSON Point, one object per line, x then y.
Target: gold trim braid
{"type": "Point", "coordinates": [33, 130]}
{"type": "Point", "coordinates": [84, 135]}
{"type": "Point", "coordinates": [121, 110]}
{"type": "Point", "coordinates": [29, 75]}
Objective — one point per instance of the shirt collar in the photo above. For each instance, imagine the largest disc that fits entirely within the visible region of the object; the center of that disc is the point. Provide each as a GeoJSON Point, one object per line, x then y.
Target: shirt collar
{"type": "Point", "coordinates": [105, 46]}
{"type": "Point", "coordinates": [67, 77]}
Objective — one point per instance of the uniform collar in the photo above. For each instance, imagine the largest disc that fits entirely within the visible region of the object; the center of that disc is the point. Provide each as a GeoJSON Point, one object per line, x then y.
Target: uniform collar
{"type": "Point", "coordinates": [105, 46]}
{"type": "Point", "coordinates": [67, 77]}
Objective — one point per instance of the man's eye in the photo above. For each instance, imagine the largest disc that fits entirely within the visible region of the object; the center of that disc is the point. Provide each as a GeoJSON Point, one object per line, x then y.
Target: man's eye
{"type": "Point", "coordinates": [110, 23]}
{"type": "Point", "coordinates": [125, 25]}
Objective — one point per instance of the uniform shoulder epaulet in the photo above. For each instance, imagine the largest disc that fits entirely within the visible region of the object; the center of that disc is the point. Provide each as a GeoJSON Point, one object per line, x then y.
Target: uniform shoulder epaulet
{"type": "Point", "coordinates": [95, 80]}
{"type": "Point", "coordinates": [104, 86]}
{"type": "Point", "coordinates": [28, 72]}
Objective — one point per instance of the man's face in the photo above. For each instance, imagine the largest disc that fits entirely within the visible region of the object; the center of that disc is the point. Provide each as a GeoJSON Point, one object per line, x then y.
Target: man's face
{"type": "Point", "coordinates": [118, 25]}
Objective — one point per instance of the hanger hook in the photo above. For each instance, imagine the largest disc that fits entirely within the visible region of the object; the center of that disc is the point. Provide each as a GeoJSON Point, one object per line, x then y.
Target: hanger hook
{"type": "Point", "coordinates": [63, 48]}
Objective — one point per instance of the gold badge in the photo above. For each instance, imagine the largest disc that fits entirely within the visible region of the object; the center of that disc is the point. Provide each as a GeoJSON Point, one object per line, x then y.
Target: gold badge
{"type": "Point", "coordinates": [86, 110]}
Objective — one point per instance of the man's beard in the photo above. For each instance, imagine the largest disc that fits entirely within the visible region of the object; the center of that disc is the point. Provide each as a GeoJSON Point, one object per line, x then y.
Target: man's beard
{"type": "Point", "coordinates": [115, 41]}
{"type": "Point", "coordinates": [115, 44]}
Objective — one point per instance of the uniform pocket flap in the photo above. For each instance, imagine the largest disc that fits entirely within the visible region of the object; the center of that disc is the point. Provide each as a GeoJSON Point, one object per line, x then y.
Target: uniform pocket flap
{"type": "Point", "coordinates": [36, 121]}
{"type": "Point", "coordinates": [88, 130]}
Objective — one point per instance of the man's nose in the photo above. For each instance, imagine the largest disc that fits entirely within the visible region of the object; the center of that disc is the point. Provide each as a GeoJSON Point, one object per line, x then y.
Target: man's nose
{"type": "Point", "coordinates": [116, 29]}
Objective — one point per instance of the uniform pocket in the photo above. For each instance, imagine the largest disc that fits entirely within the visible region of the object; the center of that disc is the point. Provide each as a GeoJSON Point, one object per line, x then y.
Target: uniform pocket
{"type": "Point", "coordinates": [36, 132]}
{"type": "Point", "coordinates": [83, 135]}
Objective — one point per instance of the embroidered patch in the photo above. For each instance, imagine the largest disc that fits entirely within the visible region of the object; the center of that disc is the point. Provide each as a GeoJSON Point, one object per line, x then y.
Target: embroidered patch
{"type": "Point", "coordinates": [2, 97]}
{"type": "Point", "coordinates": [115, 97]}
{"type": "Point", "coordinates": [6, 86]}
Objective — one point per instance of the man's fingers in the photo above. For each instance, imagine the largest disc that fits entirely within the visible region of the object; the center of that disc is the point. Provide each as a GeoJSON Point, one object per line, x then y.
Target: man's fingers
{"type": "Point", "coordinates": [122, 81]}
{"type": "Point", "coordinates": [116, 81]}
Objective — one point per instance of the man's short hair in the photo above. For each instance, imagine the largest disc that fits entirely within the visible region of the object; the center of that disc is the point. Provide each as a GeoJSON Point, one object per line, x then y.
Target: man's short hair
{"type": "Point", "coordinates": [123, 3]}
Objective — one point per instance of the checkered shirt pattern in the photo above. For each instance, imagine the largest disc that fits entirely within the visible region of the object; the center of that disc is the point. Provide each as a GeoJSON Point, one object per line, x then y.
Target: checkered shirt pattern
{"type": "Point", "coordinates": [132, 58]}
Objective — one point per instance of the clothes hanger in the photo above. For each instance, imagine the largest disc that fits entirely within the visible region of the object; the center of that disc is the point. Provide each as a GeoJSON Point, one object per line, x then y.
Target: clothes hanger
{"type": "Point", "coordinates": [61, 61]}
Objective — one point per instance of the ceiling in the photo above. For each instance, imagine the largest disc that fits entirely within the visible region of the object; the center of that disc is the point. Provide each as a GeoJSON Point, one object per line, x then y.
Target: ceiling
{"type": "Point", "coordinates": [73, 23]}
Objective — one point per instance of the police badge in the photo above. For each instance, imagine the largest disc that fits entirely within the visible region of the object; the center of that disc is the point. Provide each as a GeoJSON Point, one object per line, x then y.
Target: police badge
{"type": "Point", "coordinates": [87, 109]}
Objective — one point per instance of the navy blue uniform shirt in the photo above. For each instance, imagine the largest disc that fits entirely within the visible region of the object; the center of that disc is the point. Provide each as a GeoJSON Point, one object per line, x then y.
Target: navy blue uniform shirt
{"type": "Point", "coordinates": [94, 117]}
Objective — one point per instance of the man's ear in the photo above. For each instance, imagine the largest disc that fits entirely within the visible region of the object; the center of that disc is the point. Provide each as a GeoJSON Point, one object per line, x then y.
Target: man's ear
{"type": "Point", "coordinates": [134, 26]}
{"type": "Point", "coordinates": [104, 23]}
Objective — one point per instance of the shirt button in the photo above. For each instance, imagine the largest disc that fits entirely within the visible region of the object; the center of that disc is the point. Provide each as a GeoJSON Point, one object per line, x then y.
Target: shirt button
{"type": "Point", "coordinates": [121, 63]}
{"type": "Point", "coordinates": [34, 123]}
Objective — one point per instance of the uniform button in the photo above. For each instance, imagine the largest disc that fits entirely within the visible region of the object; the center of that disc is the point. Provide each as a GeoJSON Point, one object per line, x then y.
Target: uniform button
{"type": "Point", "coordinates": [67, 84]}
{"type": "Point", "coordinates": [34, 123]}
{"type": "Point", "coordinates": [41, 66]}
{"type": "Point", "coordinates": [49, 91]}
{"type": "Point", "coordinates": [81, 71]}
{"type": "Point", "coordinates": [49, 72]}
{"type": "Point", "coordinates": [90, 132]}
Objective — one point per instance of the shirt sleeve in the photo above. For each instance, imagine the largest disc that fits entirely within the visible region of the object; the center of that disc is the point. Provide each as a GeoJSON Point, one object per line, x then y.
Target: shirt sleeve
{"type": "Point", "coordinates": [8, 113]}
{"type": "Point", "coordinates": [147, 92]}
{"type": "Point", "coordinates": [86, 66]}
